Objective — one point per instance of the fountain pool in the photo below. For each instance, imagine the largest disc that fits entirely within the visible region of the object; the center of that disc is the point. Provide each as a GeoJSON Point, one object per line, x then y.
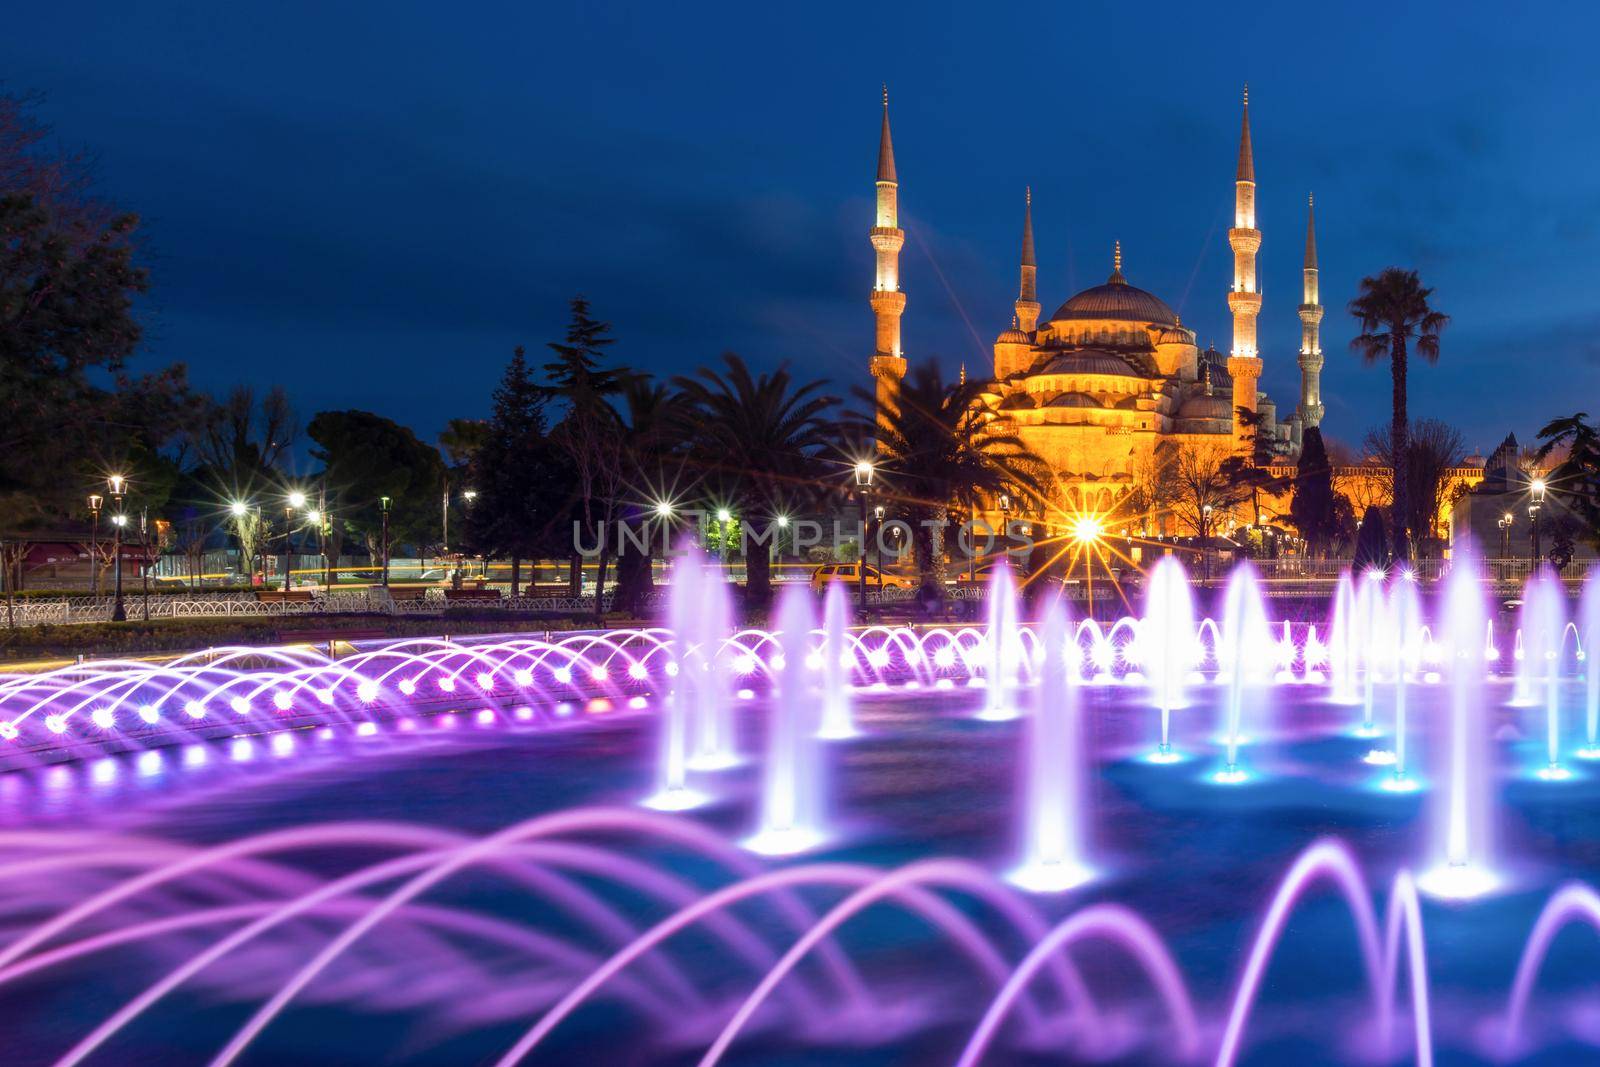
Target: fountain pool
{"type": "Point", "coordinates": [447, 852]}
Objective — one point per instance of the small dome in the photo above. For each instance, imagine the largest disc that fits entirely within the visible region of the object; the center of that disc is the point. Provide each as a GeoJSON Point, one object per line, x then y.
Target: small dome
{"type": "Point", "coordinates": [1175, 335]}
{"type": "Point", "coordinates": [1090, 361]}
{"type": "Point", "coordinates": [1012, 336]}
{"type": "Point", "coordinates": [1202, 406]}
{"type": "Point", "coordinates": [1074, 400]}
{"type": "Point", "coordinates": [1017, 401]}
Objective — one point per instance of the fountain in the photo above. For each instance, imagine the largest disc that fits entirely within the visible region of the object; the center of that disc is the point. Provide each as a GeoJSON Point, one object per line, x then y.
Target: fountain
{"type": "Point", "coordinates": [837, 661]}
{"type": "Point", "coordinates": [1005, 647]}
{"type": "Point", "coordinates": [709, 618]}
{"type": "Point", "coordinates": [1167, 645]}
{"type": "Point", "coordinates": [573, 927]}
{"type": "Point", "coordinates": [1244, 660]}
{"type": "Point", "coordinates": [1461, 819]}
{"type": "Point", "coordinates": [1370, 633]}
{"type": "Point", "coordinates": [1544, 625]}
{"type": "Point", "coordinates": [1589, 621]}
{"type": "Point", "coordinates": [1054, 816]}
{"type": "Point", "coordinates": [1407, 633]}
{"type": "Point", "coordinates": [792, 783]}
{"type": "Point", "coordinates": [1344, 642]}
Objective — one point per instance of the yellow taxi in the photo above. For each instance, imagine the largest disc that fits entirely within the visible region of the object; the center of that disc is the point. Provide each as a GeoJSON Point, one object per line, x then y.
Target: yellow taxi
{"type": "Point", "coordinates": [850, 574]}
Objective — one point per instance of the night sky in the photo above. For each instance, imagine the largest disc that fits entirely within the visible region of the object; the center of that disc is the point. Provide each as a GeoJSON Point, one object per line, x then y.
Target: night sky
{"type": "Point", "coordinates": [374, 208]}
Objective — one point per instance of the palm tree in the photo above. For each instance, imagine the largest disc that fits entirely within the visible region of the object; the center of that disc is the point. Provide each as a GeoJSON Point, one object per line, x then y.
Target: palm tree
{"type": "Point", "coordinates": [943, 444]}
{"type": "Point", "coordinates": [760, 440]}
{"type": "Point", "coordinates": [1393, 310]}
{"type": "Point", "coordinates": [653, 461]}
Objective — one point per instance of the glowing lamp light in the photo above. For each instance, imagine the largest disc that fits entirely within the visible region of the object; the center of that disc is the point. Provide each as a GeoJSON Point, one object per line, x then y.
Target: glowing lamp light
{"type": "Point", "coordinates": [367, 691]}
{"type": "Point", "coordinates": [9, 731]}
{"type": "Point", "coordinates": [238, 508]}
{"type": "Point", "coordinates": [1086, 529]}
{"type": "Point", "coordinates": [194, 709]}
{"type": "Point", "coordinates": [408, 686]}
{"type": "Point", "coordinates": [945, 658]}
{"type": "Point", "coordinates": [878, 658]}
{"type": "Point", "coordinates": [326, 696]}
{"type": "Point", "coordinates": [485, 681]}
{"type": "Point", "coordinates": [563, 675]}
{"type": "Point", "coordinates": [637, 672]}
{"type": "Point", "coordinates": [672, 670]}
{"type": "Point", "coordinates": [240, 705]}
{"type": "Point", "coordinates": [523, 676]}
{"type": "Point", "coordinates": [103, 718]}
{"type": "Point", "coordinates": [744, 664]}
{"type": "Point", "coordinates": [297, 500]}
{"type": "Point", "coordinates": [864, 473]}
{"type": "Point", "coordinates": [55, 724]}
{"type": "Point", "coordinates": [598, 672]}
{"type": "Point", "coordinates": [282, 700]}
{"type": "Point", "coordinates": [447, 684]}
{"type": "Point", "coordinates": [778, 663]}
{"type": "Point", "coordinates": [664, 509]}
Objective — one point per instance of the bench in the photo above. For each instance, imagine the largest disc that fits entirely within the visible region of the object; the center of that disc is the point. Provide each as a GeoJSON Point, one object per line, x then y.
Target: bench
{"type": "Point", "coordinates": [296, 596]}
{"type": "Point", "coordinates": [472, 594]}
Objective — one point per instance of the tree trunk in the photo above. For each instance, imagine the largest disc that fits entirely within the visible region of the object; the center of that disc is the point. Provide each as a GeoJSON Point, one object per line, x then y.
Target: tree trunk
{"type": "Point", "coordinates": [1398, 433]}
{"type": "Point", "coordinates": [758, 576]}
{"type": "Point", "coordinates": [600, 584]}
{"type": "Point", "coordinates": [516, 573]}
{"type": "Point", "coordinates": [575, 576]}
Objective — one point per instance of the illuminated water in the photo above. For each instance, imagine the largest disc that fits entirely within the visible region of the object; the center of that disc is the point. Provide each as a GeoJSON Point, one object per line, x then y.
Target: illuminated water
{"type": "Point", "coordinates": [435, 852]}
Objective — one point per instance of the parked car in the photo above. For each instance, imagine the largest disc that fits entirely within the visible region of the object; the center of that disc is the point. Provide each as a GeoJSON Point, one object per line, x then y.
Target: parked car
{"type": "Point", "coordinates": [850, 574]}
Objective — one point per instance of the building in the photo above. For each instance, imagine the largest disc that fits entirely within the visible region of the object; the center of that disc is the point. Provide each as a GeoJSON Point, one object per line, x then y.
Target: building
{"type": "Point", "coordinates": [1110, 375]}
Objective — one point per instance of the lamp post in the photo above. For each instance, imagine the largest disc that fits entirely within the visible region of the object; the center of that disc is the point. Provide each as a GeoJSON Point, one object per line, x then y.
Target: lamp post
{"type": "Point", "coordinates": [1005, 523]}
{"type": "Point", "coordinates": [1205, 542]}
{"type": "Point", "coordinates": [94, 545]}
{"type": "Point", "coordinates": [383, 507]}
{"type": "Point", "coordinates": [877, 546]}
{"type": "Point", "coordinates": [1536, 495]}
{"type": "Point", "coordinates": [144, 550]}
{"type": "Point", "coordinates": [864, 472]}
{"type": "Point", "coordinates": [1505, 536]}
{"type": "Point", "coordinates": [118, 486]}
{"type": "Point", "coordinates": [293, 503]}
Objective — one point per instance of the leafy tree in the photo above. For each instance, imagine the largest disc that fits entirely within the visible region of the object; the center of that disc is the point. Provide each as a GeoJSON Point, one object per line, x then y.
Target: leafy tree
{"type": "Point", "coordinates": [942, 444]}
{"type": "Point", "coordinates": [760, 441]}
{"type": "Point", "coordinates": [70, 411]}
{"type": "Point", "coordinates": [654, 472]}
{"type": "Point", "coordinates": [1314, 507]}
{"type": "Point", "coordinates": [241, 443]}
{"type": "Point", "coordinates": [1433, 447]}
{"type": "Point", "coordinates": [1372, 545]}
{"type": "Point", "coordinates": [1393, 310]}
{"type": "Point", "coordinates": [366, 457]}
{"type": "Point", "coordinates": [1574, 481]}
{"type": "Point", "coordinates": [589, 429]}
{"type": "Point", "coordinates": [461, 439]}
{"type": "Point", "coordinates": [525, 487]}
{"type": "Point", "coordinates": [1207, 492]}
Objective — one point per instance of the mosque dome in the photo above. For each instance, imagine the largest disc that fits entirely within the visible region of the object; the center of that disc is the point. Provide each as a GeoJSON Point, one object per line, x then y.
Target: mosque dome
{"type": "Point", "coordinates": [1206, 406]}
{"type": "Point", "coordinates": [1175, 335]}
{"type": "Point", "coordinates": [1117, 300]}
{"type": "Point", "coordinates": [1090, 361]}
{"type": "Point", "coordinates": [1012, 336]}
{"type": "Point", "coordinates": [1075, 400]}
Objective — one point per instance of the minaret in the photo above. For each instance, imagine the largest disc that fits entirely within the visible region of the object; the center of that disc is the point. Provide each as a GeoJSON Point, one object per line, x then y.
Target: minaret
{"type": "Point", "coordinates": [888, 302]}
{"type": "Point", "coordinates": [1028, 294]}
{"type": "Point", "coordinates": [1244, 360]}
{"type": "Point", "coordinates": [1311, 329]}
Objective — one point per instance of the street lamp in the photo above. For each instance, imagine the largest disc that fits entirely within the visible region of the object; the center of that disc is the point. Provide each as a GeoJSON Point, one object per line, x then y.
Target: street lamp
{"type": "Point", "coordinates": [144, 550]}
{"type": "Point", "coordinates": [1505, 535]}
{"type": "Point", "coordinates": [118, 486]}
{"type": "Point", "coordinates": [864, 473]}
{"type": "Point", "coordinates": [383, 507]}
{"type": "Point", "coordinates": [293, 503]}
{"type": "Point", "coordinates": [1536, 494]}
{"type": "Point", "coordinates": [877, 545]}
{"type": "Point", "coordinates": [94, 544]}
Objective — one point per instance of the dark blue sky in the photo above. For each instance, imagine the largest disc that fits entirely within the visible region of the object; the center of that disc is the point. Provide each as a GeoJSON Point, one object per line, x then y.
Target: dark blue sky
{"type": "Point", "coordinates": [373, 208]}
